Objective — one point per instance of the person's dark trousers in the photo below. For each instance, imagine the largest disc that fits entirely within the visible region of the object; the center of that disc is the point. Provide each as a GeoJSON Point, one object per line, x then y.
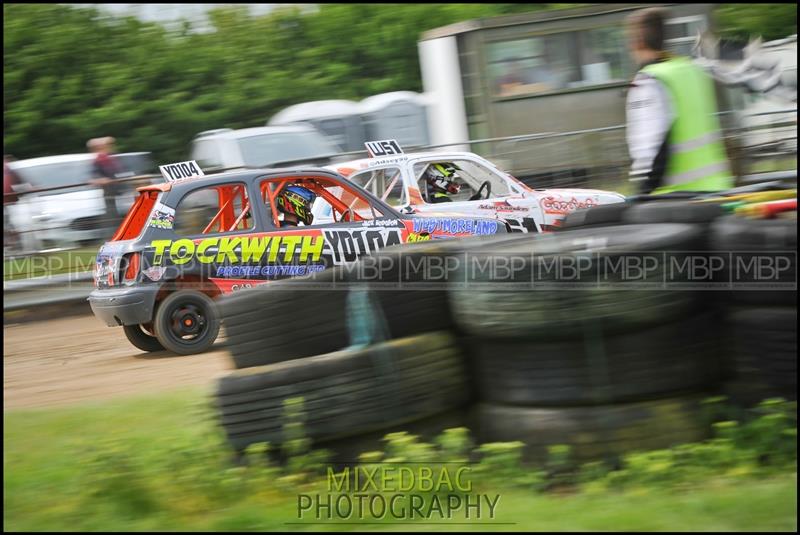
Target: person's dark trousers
{"type": "Point", "coordinates": [112, 217]}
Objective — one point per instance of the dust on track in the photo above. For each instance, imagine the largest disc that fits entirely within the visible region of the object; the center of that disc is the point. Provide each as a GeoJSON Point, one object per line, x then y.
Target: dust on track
{"type": "Point", "coordinates": [72, 360]}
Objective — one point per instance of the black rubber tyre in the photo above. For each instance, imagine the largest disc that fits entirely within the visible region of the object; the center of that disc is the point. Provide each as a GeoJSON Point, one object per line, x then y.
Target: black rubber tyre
{"type": "Point", "coordinates": [602, 431]}
{"type": "Point", "coordinates": [284, 320]}
{"type": "Point", "coordinates": [141, 339]}
{"type": "Point", "coordinates": [187, 313]}
{"type": "Point", "coordinates": [530, 305]}
{"type": "Point", "coordinates": [345, 393]}
{"type": "Point", "coordinates": [603, 215]}
{"type": "Point", "coordinates": [347, 450]}
{"type": "Point", "coordinates": [592, 368]}
{"type": "Point", "coordinates": [763, 343]}
{"type": "Point", "coordinates": [672, 212]}
{"type": "Point", "coordinates": [409, 282]}
{"type": "Point", "coordinates": [742, 241]}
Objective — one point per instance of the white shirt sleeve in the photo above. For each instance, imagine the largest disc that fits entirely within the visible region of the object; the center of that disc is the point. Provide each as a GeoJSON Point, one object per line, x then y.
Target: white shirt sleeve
{"type": "Point", "coordinates": [649, 116]}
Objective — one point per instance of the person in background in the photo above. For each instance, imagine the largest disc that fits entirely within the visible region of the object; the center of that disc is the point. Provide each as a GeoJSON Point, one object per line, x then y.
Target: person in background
{"type": "Point", "coordinates": [10, 179]}
{"type": "Point", "coordinates": [673, 133]}
{"type": "Point", "coordinates": [106, 169]}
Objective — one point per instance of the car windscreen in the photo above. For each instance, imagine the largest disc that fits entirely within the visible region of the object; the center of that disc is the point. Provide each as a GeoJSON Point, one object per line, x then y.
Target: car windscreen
{"type": "Point", "coordinates": [56, 174]}
{"type": "Point", "coordinates": [266, 149]}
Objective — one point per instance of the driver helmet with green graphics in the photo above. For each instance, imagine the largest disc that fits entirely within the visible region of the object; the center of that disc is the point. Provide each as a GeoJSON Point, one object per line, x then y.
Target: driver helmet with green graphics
{"type": "Point", "coordinates": [441, 177]}
{"type": "Point", "coordinates": [297, 201]}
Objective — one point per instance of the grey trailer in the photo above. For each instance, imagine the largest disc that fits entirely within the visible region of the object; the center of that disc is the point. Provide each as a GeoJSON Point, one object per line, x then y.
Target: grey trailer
{"type": "Point", "coordinates": [398, 115]}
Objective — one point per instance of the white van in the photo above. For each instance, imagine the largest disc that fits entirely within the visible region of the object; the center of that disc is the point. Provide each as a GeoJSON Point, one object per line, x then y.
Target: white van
{"type": "Point", "coordinates": [72, 216]}
{"type": "Point", "coordinates": [265, 146]}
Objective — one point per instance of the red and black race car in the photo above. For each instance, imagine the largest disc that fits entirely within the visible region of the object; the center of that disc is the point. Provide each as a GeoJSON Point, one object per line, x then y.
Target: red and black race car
{"type": "Point", "coordinates": [187, 241]}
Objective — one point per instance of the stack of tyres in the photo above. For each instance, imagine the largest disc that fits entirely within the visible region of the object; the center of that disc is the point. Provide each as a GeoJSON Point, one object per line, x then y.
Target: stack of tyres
{"type": "Point", "coordinates": [409, 283]}
{"type": "Point", "coordinates": [596, 362]}
{"type": "Point", "coordinates": [761, 306]}
{"type": "Point", "coordinates": [345, 393]}
{"type": "Point", "coordinates": [284, 320]}
{"type": "Point", "coordinates": [363, 362]}
{"type": "Point", "coordinates": [367, 345]}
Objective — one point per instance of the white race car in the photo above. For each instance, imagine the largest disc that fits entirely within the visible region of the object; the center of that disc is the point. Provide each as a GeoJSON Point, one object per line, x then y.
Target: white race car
{"type": "Point", "coordinates": [400, 180]}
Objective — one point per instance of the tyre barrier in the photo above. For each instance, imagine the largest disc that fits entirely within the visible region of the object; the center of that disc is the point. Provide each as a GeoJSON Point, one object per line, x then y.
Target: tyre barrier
{"type": "Point", "coordinates": [347, 392]}
{"type": "Point", "coordinates": [602, 368]}
{"type": "Point", "coordinates": [748, 240]}
{"type": "Point", "coordinates": [763, 344]}
{"type": "Point", "coordinates": [594, 368]}
{"type": "Point", "coordinates": [594, 432]}
{"type": "Point", "coordinates": [603, 215]}
{"type": "Point", "coordinates": [526, 307]}
{"type": "Point", "coordinates": [261, 324]}
{"type": "Point", "coordinates": [411, 300]}
{"type": "Point", "coordinates": [672, 212]}
{"type": "Point", "coordinates": [654, 211]}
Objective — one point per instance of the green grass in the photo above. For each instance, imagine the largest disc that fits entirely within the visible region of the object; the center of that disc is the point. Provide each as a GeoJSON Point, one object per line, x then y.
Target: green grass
{"type": "Point", "coordinates": [41, 265]}
{"type": "Point", "coordinates": [159, 462]}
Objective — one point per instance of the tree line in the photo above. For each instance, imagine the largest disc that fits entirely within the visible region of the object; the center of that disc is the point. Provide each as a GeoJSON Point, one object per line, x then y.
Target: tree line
{"type": "Point", "coordinates": [73, 73]}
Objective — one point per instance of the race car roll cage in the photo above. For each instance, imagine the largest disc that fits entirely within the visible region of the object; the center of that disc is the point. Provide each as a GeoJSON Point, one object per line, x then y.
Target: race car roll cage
{"type": "Point", "coordinates": [347, 213]}
{"type": "Point", "coordinates": [270, 188]}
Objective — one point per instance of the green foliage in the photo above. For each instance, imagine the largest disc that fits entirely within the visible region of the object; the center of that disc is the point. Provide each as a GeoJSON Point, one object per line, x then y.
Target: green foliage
{"type": "Point", "coordinates": [743, 21]}
{"type": "Point", "coordinates": [455, 444]}
{"type": "Point", "coordinates": [501, 464]}
{"type": "Point", "coordinates": [403, 447]}
{"type": "Point", "coordinates": [71, 74]}
{"type": "Point", "coordinates": [765, 443]}
{"type": "Point", "coordinates": [114, 478]}
{"type": "Point", "coordinates": [162, 463]}
{"type": "Point", "coordinates": [302, 461]}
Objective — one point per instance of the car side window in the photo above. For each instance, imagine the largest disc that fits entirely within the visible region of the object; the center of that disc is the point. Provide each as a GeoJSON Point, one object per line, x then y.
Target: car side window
{"type": "Point", "coordinates": [333, 203]}
{"type": "Point", "coordinates": [214, 209]}
{"type": "Point", "coordinates": [469, 175]}
{"type": "Point", "coordinates": [386, 184]}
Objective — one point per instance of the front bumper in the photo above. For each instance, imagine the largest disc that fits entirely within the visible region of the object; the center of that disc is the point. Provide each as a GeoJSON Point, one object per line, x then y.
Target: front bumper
{"type": "Point", "coordinates": [124, 306]}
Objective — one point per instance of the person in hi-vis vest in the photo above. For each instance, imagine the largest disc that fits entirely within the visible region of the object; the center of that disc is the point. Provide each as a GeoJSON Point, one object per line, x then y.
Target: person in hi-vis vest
{"type": "Point", "coordinates": [673, 134]}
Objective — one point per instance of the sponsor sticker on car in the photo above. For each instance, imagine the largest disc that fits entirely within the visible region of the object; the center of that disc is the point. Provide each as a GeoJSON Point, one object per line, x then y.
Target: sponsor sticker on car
{"type": "Point", "coordinates": [163, 217]}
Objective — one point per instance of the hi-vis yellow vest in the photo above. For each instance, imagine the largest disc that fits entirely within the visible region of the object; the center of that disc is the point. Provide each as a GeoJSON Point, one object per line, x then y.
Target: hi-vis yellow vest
{"type": "Point", "coordinates": [697, 160]}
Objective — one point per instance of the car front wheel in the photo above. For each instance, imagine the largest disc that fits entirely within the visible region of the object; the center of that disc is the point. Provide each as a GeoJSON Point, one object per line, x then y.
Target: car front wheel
{"type": "Point", "coordinates": [187, 322]}
{"type": "Point", "coordinates": [142, 337]}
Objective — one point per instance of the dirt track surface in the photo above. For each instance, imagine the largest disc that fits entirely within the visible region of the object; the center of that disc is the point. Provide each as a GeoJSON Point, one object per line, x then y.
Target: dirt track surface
{"type": "Point", "coordinates": [70, 360]}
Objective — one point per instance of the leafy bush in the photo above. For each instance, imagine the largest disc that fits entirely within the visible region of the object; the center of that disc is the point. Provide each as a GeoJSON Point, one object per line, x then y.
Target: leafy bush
{"type": "Point", "coordinates": [188, 476]}
{"type": "Point", "coordinates": [764, 444]}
